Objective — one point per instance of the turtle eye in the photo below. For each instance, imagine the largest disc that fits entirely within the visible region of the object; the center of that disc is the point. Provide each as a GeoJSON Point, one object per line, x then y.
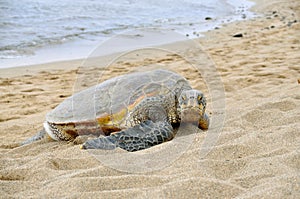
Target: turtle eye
{"type": "Point", "coordinates": [183, 98]}
{"type": "Point", "coordinates": [199, 97]}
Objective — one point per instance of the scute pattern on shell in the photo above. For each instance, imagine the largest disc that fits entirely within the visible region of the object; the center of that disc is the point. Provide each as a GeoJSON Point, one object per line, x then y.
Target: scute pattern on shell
{"type": "Point", "coordinates": [117, 100]}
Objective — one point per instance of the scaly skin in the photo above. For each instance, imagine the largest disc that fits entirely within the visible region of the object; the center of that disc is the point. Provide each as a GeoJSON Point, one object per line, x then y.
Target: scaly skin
{"type": "Point", "coordinates": [158, 128]}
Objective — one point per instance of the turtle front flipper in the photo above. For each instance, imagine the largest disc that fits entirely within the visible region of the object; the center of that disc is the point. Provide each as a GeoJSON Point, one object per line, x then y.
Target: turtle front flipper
{"type": "Point", "coordinates": [204, 122]}
{"type": "Point", "coordinates": [139, 137]}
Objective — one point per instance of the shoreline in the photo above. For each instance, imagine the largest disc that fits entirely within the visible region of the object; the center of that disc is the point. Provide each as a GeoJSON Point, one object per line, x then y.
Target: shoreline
{"type": "Point", "coordinates": [256, 154]}
{"type": "Point", "coordinates": [102, 60]}
{"type": "Point", "coordinates": [80, 49]}
{"type": "Point", "coordinates": [11, 71]}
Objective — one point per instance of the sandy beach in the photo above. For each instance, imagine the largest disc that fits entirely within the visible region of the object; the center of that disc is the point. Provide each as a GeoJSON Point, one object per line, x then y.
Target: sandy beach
{"type": "Point", "coordinates": [256, 153]}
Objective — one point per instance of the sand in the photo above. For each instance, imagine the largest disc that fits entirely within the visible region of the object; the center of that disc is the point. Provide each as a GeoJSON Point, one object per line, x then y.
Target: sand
{"type": "Point", "coordinates": [253, 153]}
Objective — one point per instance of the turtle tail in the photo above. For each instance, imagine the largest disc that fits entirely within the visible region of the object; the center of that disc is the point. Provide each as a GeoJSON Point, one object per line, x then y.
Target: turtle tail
{"type": "Point", "coordinates": [40, 135]}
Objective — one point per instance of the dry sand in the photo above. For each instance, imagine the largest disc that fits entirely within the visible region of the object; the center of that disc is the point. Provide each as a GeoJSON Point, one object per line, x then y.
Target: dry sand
{"type": "Point", "coordinates": [256, 154]}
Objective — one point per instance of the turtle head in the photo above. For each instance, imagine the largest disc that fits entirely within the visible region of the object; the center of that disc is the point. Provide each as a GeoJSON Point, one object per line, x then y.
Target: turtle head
{"type": "Point", "coordinates": [192, 104]}
{"type": "Point", "coordinates": [192, 100]}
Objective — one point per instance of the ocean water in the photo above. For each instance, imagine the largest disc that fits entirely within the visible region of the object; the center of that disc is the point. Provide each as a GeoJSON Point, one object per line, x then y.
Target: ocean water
{"type": "Point", "coordinates": [35, 31]}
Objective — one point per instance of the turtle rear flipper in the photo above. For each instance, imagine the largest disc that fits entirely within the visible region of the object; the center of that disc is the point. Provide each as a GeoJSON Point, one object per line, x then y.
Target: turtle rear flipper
{"type": "Point", "coordinates": [40, 135]}
{"type": "Point", "coordinates": [139, 137]}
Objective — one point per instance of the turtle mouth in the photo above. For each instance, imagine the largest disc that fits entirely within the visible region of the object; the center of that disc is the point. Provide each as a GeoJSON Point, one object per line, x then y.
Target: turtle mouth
{"type": "Point", "coordinates": [192, 109]}
{"type": "Point", "coordinates": [191, 114]}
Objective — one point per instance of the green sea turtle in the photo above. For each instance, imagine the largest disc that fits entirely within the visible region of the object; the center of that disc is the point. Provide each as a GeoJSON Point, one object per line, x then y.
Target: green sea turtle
{"type": "Point", "coordinates": [133, 112]}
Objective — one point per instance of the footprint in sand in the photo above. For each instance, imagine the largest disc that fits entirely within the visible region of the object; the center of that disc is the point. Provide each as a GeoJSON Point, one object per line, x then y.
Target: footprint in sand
{"type": "Point", "coordinates": [270, 114]}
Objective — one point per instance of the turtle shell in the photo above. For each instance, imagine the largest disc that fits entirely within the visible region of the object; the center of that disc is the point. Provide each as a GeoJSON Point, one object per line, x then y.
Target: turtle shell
{"type": "Point", "coordinates": [110, 102]}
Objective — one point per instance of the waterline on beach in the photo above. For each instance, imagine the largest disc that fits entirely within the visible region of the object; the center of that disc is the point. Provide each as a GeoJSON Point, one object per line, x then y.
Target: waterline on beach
{"type": "Point", "coordinates": [45, 32]}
